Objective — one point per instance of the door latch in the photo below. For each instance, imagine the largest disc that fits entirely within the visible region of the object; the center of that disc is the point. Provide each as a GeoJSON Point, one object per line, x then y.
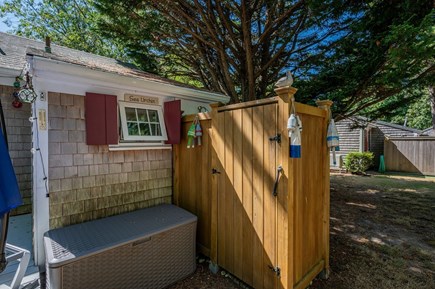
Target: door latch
{"type": "Point", "coordinates": [215, 171]}
{"type": "Point", "coordinates": [276, 269]}
{"type": "Point", "coordinates": [276, 138]}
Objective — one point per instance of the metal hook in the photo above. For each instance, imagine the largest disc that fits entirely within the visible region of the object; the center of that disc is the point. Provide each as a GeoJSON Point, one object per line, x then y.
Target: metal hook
{"type": "Point", "coordinates": [202, 109]}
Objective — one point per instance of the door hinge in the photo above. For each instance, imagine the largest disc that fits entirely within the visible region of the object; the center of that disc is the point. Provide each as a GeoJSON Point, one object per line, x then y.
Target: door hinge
{"type": "Point", "coordinates": [276, 269]}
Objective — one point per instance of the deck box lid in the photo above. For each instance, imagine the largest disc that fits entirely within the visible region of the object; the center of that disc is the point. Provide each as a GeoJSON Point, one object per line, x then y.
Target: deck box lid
{"type": "Point", "coordinates": [68, 244]}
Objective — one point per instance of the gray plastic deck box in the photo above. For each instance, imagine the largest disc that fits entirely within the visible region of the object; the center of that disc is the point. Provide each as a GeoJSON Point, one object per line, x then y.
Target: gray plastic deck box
{"type": "Point", "coordinates": [148, 248]}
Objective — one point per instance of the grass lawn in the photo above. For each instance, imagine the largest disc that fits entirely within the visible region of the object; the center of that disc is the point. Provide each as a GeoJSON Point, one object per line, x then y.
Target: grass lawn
{"type": "Point", "coordinates": [382, 233]}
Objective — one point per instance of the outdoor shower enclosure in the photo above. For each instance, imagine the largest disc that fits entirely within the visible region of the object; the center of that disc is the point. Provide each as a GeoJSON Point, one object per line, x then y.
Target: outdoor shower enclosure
{"type": "Point", "coordinates": [267, 241]}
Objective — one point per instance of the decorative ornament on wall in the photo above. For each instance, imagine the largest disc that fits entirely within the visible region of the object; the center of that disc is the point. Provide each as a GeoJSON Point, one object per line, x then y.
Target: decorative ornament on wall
{"type": "Point", "coordinates": [27, 93]}
{"type": "Point", "coordinates": [17, 85]}
{"type": "Point", "coordinates": [16, 103]}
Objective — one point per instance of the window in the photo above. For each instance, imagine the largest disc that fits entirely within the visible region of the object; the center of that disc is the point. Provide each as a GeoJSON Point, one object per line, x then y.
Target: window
{"type": "Point", "coordinates": [140, 122]}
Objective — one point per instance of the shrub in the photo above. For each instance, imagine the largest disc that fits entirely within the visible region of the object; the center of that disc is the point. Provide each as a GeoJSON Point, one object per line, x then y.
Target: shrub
{"type": "Point", "coordinates": [358, 162]}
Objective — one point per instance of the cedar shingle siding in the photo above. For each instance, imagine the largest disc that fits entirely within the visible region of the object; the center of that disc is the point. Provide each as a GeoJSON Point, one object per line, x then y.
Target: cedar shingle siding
{"type": "Point", "coordinates": [349, 137]}
{"type": "Point", "coordinates": [376, 132]}
{"type": "Point", "coordinates": [89, 182]}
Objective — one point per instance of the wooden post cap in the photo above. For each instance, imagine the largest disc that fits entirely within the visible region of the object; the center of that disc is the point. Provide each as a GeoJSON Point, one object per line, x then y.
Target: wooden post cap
{"type": "Point", "coordinates": [286, 92]}
{"type": "Point", "coordinates": [325, 104]}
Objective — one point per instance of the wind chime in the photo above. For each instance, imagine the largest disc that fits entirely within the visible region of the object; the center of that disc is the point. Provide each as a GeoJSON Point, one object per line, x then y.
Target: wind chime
{"type": "Point", "coordinates": [26, 93]}
{"type": "Point", "coordinates": [17, 86]}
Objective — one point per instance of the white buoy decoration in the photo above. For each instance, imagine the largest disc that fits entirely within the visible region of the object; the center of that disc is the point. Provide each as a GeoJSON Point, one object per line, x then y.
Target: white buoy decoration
{"type": "Point", "coordinates": [294, 126]}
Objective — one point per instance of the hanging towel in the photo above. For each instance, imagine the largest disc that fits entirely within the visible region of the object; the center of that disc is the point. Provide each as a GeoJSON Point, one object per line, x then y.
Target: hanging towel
{"type": "Point", "coordinates": [10, 197]}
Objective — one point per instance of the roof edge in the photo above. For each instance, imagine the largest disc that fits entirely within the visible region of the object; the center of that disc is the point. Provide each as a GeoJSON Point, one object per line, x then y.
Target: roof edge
{"type": "Point", "coordinates": [7, 75]}
{"type": "Point", "coordinates": [418, 137]}
{"type": "Point", "coordinates": [381, 122]}
{"type": "Point", "coordinates": [47, 68]}
{"type": "Point", "coordinates": [398, 126]}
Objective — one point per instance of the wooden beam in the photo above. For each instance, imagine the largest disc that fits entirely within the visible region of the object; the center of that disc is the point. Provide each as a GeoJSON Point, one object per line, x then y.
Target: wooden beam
{"type": "Point", "coordinates": [306, 280]}
{"type": "Point", "coordinates": [214, 187]}
{"type": "Point", "coordinates": [310, 110]}
{"type": "Point", "coordinates": [283, 226]}
{"type": "Point", "coordinates": [326, 106]}
{"type": "Point", "coordinates": [248, 104]}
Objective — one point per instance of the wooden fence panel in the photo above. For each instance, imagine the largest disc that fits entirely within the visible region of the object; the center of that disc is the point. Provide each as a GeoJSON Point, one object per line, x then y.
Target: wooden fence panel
{"type": "Point", "coordinates": [247, 181]}
{"type": "Point", "coordinates": [257, 197]}
{"type": "Point", "coordinates": [226, 197]}
{"type": "Point", "coordinates": [243, 211]}
{"type": "Point", "coordinates": [269, 202]}
{"type": "Point", "coordinates": [309, 200]}
{"type": "Point", "coordinates": [242, 226]}
{"type": "Point", "coordinates": [411, 154]}
{"type": "Point", "coordinates": [192, 181]}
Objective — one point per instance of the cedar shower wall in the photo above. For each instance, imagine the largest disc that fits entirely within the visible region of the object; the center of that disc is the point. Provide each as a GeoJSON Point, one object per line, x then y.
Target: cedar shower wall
{"type": "Point", "coordinates": [18, 128]}
{"type": "Point", "coordinates": [91, 182]}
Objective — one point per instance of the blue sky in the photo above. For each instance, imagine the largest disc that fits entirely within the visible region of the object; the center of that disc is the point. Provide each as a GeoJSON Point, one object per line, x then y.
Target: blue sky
{"type": "Point", "coordinates": [3, 26]}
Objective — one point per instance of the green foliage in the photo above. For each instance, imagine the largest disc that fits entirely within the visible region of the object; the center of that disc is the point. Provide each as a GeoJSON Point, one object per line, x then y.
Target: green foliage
{"type": "Point", "coordinates": [358, 162]}
{"type": "Point", "coordinates": [369, 57]}
{"type": "Point", "coordinates": [387, 53]}
{"type": "Point", "coordinates": [415, 109]}
{"type": "Point", "coordinates": [239, 48]}
{"type": "Point", "coordinates": [69, 23]}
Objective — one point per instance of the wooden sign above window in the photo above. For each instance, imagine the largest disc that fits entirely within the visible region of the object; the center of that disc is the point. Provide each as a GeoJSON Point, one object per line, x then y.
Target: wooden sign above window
{"type": "Point", "coordinates": [141, 99]}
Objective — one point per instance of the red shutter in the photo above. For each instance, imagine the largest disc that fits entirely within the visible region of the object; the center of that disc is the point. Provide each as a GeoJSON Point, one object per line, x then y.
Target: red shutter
{"type": "Point", "coordinates": [101, 119]}
{"type": "Point", "coordinates": [111, 119]}
{"type": "Point", "coordinates": [172, 115]}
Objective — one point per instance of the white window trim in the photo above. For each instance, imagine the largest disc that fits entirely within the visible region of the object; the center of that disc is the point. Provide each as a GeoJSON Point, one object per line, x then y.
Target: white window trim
{"type": "Point", "coordinates": [139, 146]}
{"type": "Point", "coordinates": [126, 137]}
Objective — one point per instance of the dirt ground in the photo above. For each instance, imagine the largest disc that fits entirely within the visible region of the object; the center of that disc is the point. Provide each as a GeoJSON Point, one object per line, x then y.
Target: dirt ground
{"type": "Point", "coordinates": [203, 278]}
{"type": "Point", "coordinates": [382, 236]}
{"type": "Point", "coordinates": [382, 233]}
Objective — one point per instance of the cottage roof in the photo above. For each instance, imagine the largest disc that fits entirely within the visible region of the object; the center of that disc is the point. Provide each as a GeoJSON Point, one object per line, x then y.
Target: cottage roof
{"type": "Point", "coordinates": [399, 127]}
{"type": "Point", "coordinates": [388, 128]}
{"type": "Point", "coordinates": [14, 49]}
{"type": "Point", "coordinates": [429, 131]}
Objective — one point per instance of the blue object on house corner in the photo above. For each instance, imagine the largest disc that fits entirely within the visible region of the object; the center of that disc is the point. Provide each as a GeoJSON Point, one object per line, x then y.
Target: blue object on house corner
{"type": "Point", "coordinates": [10, 197]}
